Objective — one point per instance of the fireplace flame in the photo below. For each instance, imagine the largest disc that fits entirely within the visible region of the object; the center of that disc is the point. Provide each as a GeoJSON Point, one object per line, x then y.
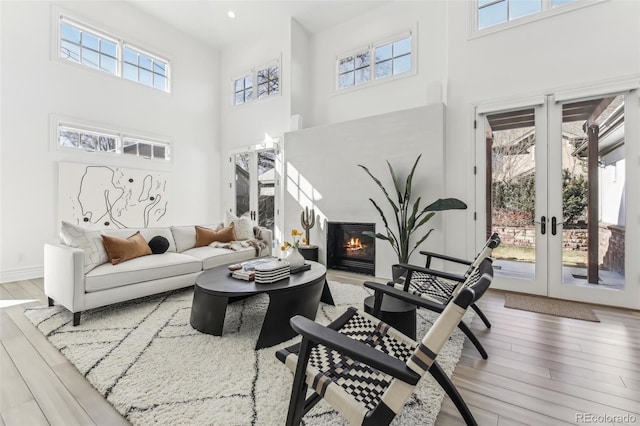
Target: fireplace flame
{"type": "Point", "coordinates": [354, 244]}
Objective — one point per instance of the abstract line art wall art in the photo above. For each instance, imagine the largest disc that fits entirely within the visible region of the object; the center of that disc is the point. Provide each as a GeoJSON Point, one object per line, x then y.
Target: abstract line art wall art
{"type": "Point", "coordinates": [99, 197]}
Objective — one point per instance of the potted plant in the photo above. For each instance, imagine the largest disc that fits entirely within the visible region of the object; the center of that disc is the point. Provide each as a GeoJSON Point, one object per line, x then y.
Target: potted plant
{"type": "Point", "coordinates": [409, 217]}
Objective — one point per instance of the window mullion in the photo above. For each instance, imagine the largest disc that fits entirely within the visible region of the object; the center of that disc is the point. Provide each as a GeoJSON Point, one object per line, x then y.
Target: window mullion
{"type": "Point", "coordinates": [372, 62]}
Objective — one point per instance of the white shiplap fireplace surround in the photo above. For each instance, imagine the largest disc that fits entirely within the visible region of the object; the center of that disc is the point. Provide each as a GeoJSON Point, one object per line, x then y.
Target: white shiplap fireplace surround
{"type": "Point", "coordinates": [321, 171]}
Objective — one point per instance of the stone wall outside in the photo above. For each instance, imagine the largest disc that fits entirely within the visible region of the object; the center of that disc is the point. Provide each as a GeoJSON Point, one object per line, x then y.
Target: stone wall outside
{"type": "Point", "coordinates": [611, 237]}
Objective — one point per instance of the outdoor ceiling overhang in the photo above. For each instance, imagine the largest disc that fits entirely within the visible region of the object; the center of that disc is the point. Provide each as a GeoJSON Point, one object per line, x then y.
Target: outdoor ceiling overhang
{"type": "Point", "coordinates": [512, 120]}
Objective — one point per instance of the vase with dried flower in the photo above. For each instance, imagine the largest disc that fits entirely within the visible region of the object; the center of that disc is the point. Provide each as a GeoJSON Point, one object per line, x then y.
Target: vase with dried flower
{"type": "Point", "coordinates": [293, 256]}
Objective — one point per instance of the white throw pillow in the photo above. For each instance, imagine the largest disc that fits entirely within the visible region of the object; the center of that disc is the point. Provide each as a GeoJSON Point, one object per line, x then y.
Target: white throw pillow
{"type": "Point", "coordinates": [242, 225]}
{"type": "Point", "coordinates": [89, 241]}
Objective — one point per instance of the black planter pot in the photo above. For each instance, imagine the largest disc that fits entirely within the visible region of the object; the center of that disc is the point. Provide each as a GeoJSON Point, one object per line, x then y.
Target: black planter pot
{"type": "Point", "coordinates": [397, 272]}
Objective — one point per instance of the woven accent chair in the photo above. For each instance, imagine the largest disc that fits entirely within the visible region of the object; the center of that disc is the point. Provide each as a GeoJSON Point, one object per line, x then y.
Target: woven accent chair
{"type": "Point", "coordinates": [476, 281]}
{"type": "Point", "coordinates": [441, 287]}
{"type": "Point", "coordinates": [362, 367]}
{"type": "Point", "coordinates": [423, 294]}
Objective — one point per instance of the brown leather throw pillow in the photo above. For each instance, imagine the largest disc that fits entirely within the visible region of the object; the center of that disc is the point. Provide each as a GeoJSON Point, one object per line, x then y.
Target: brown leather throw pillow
{"type": "Point", "coordinates": [206, 236]}
{"type": "Point", "coordinates": [121, 249]}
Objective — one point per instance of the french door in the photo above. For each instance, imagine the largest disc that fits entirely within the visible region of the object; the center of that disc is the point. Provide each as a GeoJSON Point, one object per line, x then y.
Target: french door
{"type": "Point", "coordinates": [551, 180]}
{"type": "Point", "coordinates": [511, 187]}
{"type": "Point", "coordinates": [253, 185]}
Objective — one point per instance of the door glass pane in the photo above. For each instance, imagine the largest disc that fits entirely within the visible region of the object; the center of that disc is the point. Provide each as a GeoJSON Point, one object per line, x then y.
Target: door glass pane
{"type": "Point", "coordinates": [593, 193]}
{"type": "Point", "coordinates": [243, 182]}
{"type": "Point", "coordinates": [511, 198]}
{"type": "Point", "coordinates": [266, 188]}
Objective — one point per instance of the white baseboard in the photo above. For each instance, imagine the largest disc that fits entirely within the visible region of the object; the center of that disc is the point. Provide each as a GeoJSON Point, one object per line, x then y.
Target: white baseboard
{"type": "Point", "coordinates": [21, 274]}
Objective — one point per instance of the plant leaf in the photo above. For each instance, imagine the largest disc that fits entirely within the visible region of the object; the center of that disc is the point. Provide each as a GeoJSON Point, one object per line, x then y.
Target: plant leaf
{"type": "Point", "coordinates": [396, 184]}
{"type": "Point", "coordinates": [420, 241]}
{"type": "Point", "coordinates": [384, 219]}
{"type": "Point", "coordinates": [412, 218]}
{"type": "Point", "coordinates": [392, 237]}
{"type": "Point", "coordinates": [445, 204]}
{"type": "Point", "coordinates": [407, 188]}
{"type": "Point", "coordinates": [375, 179]}
{"type": "Point", "coordinates": [376, 235]}
{"type": "Point", "coordinates": [425, 219]}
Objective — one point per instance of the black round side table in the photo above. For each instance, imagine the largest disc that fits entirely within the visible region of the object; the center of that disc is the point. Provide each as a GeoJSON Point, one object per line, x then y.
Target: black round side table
{"type": "Point", "coordinates": [398, 314]}
{"type": "Point", "coordinates": [309, 252]}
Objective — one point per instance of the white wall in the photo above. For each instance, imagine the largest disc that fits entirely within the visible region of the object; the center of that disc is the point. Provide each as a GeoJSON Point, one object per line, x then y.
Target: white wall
{"type": "Point", "coordinates": [36, 85]}
{"type": "Point", "coordinates": [570, 50]}
{"type": "Point", "coordinates": [246, 124]}
{"type": "Point", "coordinates": [612, 193]}
{"type": "Point", "coordinates": [321, 171]}
{"type": "Point", "coordinates": [428, 19]}
{"type": "Point", "coordinates": [301, 72]}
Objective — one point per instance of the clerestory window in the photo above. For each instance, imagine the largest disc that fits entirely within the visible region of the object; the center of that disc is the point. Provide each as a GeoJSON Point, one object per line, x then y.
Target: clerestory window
{"type": "Point", "coordinates": [260, 82]}
{"type": "Point", "coordinates": [355, 69]}
{"type": "Point", "coordinates": [88, 48]}
{"type": "Point", "coordinates": [496, 12]}
{"type": "Point", "coordinates": [393, 58]}
{"type": "Point", "coordinates": [91, 140]}
{"type": "Point", "coordinates": [87, 140]}
{"type": "Point", "coordinates": [80, 44]}
{"type": "Point", "coordinates": [375, 62]}
{"type": "Point", "coordinates": [268, 81]}
{"type": "Point", "coordinates": [145, 69]}
{"type": "Point", "coordinates": [243, 89]}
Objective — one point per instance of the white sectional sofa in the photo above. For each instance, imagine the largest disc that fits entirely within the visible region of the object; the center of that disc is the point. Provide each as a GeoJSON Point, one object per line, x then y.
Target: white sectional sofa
{"type": "Point", "coordinates": [67, 283]}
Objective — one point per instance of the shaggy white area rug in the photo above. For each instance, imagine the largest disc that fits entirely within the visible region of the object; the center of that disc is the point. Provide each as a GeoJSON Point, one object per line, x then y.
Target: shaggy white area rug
{"type": "Point", "coordinates": [144, 357]}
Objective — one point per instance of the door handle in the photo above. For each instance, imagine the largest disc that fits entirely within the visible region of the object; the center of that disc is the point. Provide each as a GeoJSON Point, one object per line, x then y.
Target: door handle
{"type": "Point", "coordinates": [543, 224]}
{"type": "Point", "coordinates": [554, 224]}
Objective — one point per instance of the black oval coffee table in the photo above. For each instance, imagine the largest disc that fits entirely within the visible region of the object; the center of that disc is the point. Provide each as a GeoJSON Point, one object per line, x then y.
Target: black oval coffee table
{"type": "Point", "coordinates": [297, 295]}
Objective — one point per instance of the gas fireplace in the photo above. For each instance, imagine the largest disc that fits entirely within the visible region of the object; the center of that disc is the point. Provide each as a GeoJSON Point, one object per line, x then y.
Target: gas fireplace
{"type": "Point", "coordinates": [349, 249]}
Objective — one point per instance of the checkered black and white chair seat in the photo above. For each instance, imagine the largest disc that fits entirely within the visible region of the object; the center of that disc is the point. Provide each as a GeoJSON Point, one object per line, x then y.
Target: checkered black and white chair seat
{"type": "Point", "coordinates": [364, 383]}
{"type": "Point", "coordinates": [441, 287]}
{"type": "Point", "coordinates": [364, 368]}
{"type": "Point", "coordinates": [429, 287]}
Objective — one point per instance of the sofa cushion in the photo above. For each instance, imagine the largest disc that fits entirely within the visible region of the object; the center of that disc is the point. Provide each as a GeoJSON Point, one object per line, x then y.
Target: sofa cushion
{"type": "Point", "coordinates": [122, 249]}
{"type": "Point", "coordinates": [89, 241]}
{"type": "Point", "coordinates": [243, 226]}
{"type": "Point", "coordinates": [158, 244]}
{"type": "Point", "coordinates": [206, 236]}
{"type": "Point", "coordinates": [147, 233]}
{"type": "Point", "coordinates": [141, 269]}
{"type": "Point", "coordinates": [215, 256]}
{"type": "Point", "coordinates": [185, 236]}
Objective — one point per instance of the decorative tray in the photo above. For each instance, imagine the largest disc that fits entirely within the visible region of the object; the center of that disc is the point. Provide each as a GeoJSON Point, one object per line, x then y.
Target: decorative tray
{"type": "Point", "coordinates": [302, 268]}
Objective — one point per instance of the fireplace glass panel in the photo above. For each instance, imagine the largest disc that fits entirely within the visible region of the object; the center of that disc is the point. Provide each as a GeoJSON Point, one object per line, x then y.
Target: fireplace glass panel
{"type": "Point", "coordinates": [349, 249]}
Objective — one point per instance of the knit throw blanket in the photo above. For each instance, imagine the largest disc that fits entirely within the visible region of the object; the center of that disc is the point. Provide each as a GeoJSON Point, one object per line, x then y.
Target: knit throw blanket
{"type": "Point", "coordinates": [257, 243]}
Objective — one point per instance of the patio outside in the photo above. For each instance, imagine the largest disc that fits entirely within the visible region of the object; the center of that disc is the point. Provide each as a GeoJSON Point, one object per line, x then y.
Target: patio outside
{"type": "Point", "coordinates": [512, 145]}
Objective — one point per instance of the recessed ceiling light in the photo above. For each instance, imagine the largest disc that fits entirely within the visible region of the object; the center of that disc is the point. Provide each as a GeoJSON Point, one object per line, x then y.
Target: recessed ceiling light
{"type": "Point", "coordinates": [231, 14]}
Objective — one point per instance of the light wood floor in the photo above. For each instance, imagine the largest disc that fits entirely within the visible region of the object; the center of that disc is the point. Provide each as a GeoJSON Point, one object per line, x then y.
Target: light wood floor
{"type": "Point", "coordinates": [542, 370]}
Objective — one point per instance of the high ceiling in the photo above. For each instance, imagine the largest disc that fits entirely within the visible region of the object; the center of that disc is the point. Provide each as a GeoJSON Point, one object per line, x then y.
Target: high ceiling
{"type": "Point", "coordinates": [207, 20]}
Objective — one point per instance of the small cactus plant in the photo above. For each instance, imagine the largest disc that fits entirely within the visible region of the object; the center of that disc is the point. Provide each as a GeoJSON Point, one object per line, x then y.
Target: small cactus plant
{"type": "Point", "coordinates": [308, 220]}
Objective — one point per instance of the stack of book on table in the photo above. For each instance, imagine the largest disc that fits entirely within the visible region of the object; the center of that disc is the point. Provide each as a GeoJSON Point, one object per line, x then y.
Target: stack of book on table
{"type": "Point", "coordinates": [270, 272]}
{"type": "Point", "coordinates": [263, 271]}
{"type": "Point", "coordinates": [241, 274]}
